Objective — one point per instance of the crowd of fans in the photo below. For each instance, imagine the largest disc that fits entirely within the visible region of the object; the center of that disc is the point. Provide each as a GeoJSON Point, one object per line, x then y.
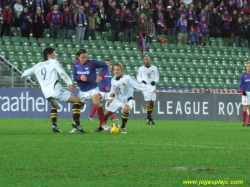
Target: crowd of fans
{"type": "Point", "coordinates": [192, 21]}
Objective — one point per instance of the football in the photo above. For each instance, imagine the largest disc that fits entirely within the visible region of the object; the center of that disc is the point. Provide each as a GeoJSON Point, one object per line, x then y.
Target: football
{"type": "Point", "coordinates": [114, 129]}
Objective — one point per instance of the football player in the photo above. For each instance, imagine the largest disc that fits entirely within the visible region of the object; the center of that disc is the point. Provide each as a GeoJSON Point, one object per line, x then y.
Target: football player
{"type": "Point", "coordinates": [148, 74]}
{"type": "Point", "coordinates": [122, 88]}
{"type": "Point", "coordinates": [46, 73]}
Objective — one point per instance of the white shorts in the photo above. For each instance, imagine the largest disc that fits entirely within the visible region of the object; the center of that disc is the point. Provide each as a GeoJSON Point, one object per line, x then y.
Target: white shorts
{"type": "Point", "coordinates": [245, 100]}
{"type": "Point", "coordinates": [105, 95]}
{"type": "Point", "coordinates": [85, 96]}
{"type": "Point", "coordinates": [117, 104]}
{"type": "Point", "coordinates": [61, 95]}
{"type": "Point", "coordinates": [149, 96]}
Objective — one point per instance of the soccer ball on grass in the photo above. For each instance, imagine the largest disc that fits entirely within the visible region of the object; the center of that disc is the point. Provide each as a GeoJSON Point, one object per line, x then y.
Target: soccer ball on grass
{"type": "Point", "coordinates": [114, 128]}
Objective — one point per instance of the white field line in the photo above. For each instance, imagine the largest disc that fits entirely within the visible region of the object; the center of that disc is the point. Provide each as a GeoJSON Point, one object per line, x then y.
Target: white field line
{"type": "Point", "coordinates": [147, 144]}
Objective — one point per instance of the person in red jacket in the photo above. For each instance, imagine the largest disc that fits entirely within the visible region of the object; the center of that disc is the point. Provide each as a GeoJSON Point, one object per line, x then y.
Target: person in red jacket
{"type": "Point", "coordinates": [55, 19]}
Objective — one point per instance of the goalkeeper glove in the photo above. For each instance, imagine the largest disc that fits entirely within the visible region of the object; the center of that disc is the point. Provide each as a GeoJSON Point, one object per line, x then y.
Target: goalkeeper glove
{"type": "Point", "coordinates": [244, 93]}
{"type": "Point", "coordinates": [153, 83]}
{"type": "Point", "coordinates": [143, 82]}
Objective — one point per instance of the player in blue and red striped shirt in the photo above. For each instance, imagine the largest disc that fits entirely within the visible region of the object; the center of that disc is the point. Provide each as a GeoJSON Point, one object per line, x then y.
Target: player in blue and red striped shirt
{"type": "Point", "coordinates": [84, 73]}
{"type": "Point", "coordinates": [244, 87]}
{"type": "Point", "coordinates": [104, 87]}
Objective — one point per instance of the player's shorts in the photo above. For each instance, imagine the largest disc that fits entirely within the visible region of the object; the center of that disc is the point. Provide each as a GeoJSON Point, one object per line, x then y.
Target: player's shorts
{"type": "Point", "coordinates": [246, 99]}
{"type": "Point", "coordinates": [149, 96]}
{"type": "Point", "coordinates": [61, 95]}
{"type": "Point", "coordinates": [85, 96]}
{"type": "Point", "coordinates": [117, 104]}
{"type": "Point", "coordinates": [105, 95]}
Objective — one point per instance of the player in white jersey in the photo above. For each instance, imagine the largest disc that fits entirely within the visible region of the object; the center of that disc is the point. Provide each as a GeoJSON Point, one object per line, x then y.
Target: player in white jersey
{"type": "Point", "coordinates": [149, 75]}
{"type": "Point", "coordinates": [122, 88]}
{"type": "Point", "coordinates": [46, 73]}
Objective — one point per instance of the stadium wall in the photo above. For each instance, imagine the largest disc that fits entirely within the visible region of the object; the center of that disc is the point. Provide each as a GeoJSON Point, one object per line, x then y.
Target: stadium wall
{"type": "Point", "coordinates": [30, 103]}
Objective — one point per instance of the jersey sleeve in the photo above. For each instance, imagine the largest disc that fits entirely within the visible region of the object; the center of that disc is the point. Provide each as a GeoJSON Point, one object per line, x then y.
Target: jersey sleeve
{"type": "Point", "coordinates": [28, 72]}
{"type": "Point", "coordinates": [138, 85]}
{"type": "Point", "coordinates": [63, 74]}
{"type": "Point", "coordinates": [139, 75]}
{"type": "Point", "coordinates": [103, 66]}
{"type": "Point", "coordinates": [112, 89]}
{"type": "Point", "coordinates": [157, 75]}
{"type": "Point", "coordinates": [241, 83]}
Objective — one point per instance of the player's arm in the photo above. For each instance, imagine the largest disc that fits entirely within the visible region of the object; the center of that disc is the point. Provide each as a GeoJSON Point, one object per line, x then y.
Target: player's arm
{"type": "Point", "coordinates": [63, 74]}
{"type": "Point", "coordinates": [112, 91]}
{"type": "Point", "coordinates": [156, 78]}
{"type": "Point", "coordinates": [103, 71]}
{"type": "Point", "coordinates": [139, 85]}
{"type": "Point", "coordinates": [241, 85]}
{"type": "Point", "coordinates": [139, 76]}
{"type": "Point", "coordinates": [28, 72]}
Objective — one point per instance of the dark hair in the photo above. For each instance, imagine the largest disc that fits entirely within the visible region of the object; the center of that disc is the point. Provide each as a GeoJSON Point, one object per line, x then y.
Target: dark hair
{"type": "Point", "coordinates": [117, 64]}
{"type": "Point", "coordinates": [107, 60]}
{"type": "Point", "coordinates": [47, 51]}
{"type": "Point", "coordinates": [81, 51]}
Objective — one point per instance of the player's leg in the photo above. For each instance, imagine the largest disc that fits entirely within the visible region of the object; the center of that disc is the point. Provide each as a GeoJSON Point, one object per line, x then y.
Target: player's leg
{"type": "Point", "coordinates": [125, 116]}
{"type": "Point", "coordinates": [53, 114]}
{"type": "Point", "coordinates": [245, 103]}
{"type": "Point", "coordinates": [76, 110]}
{"type": "Point", "coordinates": [97, 103]}
{"type": "Point", "coordinates": [112, 116]}
{"type": "Point", "coordinates": [107, 113]}
{"type": "Point", "coordinates": [91, 115]}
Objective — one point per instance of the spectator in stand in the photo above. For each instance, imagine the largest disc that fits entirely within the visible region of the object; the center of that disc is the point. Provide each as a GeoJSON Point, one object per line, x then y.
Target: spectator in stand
{"type": "Point", "coordinates": [191, 17]}
{"type": "Point", "coordinates": [73, 8]}
{"type": "Point", "coordinates": [111, 10]}
{"type": "Point", "coordinates": [48, 7]}
{"type": "Point", "coordinates": [103, 17]}
{"type": "Point", "coordinates": [7, 21]}
{"type": "Point", "coordinates": [221, 8]}
{"type": "Point", "coordinates": [30, 4]}
{"type": "Point", "coordinates": [203, 13]}
{"type": "Point", "coordinates": [231, 7]}
{"type": "Point", "coordinates": [192, 35]}
{"type": "Point", "coordinates": [80, 21]}
{"type": "Point", "coordinates": [38, 24]}
{"type": "Point", "coordinates": [128, 26]}
{"type": "Point", "coordinates": [67, 24]}
{"type": "Point", "coordinates": [207, 13]}
{"type": "Point", "coordinates": [244, 17]}
{"type": "Point", "coordinates": [151, 5]}
{"type": "Point", "coordinates": [215, 23]}
{"type": "Point", "coordinates": [143, 25]}
{"type": "Point", "coordinates": [55, 20]}
{"type": "Point", "coordinates": [92, 24]}
{"type": "Point", "coordinates": [151, 30]}
{"type": "Point", "coordinates": [239, 32]}
{"type": "Point", "coordinates": [170, 21]}
{"type": "Point", "coordinates": [63, 6]}
{"type": "Point", "coordinates": [159, 19]}
{"type": "Point", "coordinates": [146, 11]}
{"type": "Point", "coordinates": [86, 7]}
{"type": "Point", "coordinates": [7, 3]}
{"type": "Point", "coordinates": [245, 7]}
{"type": "Point", "coordinates": [115, 24]}
{"type": "Point", "coordinates": [1, 21]}
{"type": "Point", "coordinates": [180, 11]}
{"type": "Point", "coordinates": [130, 4]}
{"type": "Point", "coordinates": [182, 29]}
{"type": "Point", "coordinates": [25, 23]}
{"type": "Point", "coordinates": [18, 9]}
{"type": "Point", "coordinates": [133, 12]}
{"type": "Point", "coordinates": [198, 9]}
{"type": "Point", "coordinates": [199, 38]}
{"type": "Point", "coordinates": [226, 25]}
{"type": "Point", "coordinates": [210, 7]}
{"type": "Point", "coordinates": [40, 4]}
{"type": "Point", "coordinates": [248, 35]}
{"type": "Point", "coordinates": [204, 28]}
{"type": "Point", "coordinates": [94, 4]}
{"type": "Point", "coordinates": [235, 17]}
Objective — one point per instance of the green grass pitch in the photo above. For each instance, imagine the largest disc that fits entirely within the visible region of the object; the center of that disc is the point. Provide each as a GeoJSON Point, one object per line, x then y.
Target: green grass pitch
{"type": "Point", "coordinates": [166, 154]}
